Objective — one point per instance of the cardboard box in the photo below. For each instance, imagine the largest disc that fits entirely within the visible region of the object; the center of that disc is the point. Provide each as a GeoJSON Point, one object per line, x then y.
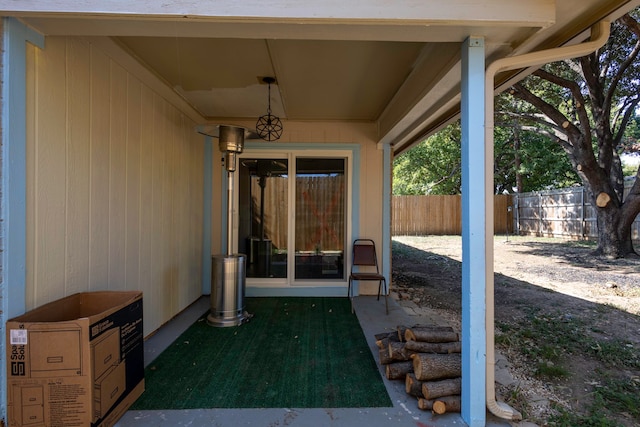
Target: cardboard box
{"type": "Point", "coordinates": [77, 361]}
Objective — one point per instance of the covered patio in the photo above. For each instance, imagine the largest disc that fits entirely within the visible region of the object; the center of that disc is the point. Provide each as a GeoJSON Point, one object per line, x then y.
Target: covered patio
{"type": "Point", "coordinates": [113, 179]}
{"type": "Point", "coordinates": [370, 313]}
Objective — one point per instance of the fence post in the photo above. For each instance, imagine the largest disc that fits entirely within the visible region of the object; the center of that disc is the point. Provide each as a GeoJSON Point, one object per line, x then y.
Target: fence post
{"type": "Point", "coordinates": [516, 208]}
{"type": "Point", "coordinates": [540, 210]}
{"type": "Point", "coordinates": [584, 222]}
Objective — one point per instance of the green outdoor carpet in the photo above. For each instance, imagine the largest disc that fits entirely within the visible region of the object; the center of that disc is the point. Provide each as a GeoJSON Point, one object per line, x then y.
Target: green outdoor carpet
{"type": "Point", "coordinates": [294, 353]}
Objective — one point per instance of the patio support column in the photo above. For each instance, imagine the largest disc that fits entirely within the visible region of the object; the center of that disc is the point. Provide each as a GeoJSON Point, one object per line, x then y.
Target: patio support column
{"type": "Point", "coordinates": [386, 212]}
{"type": "Point", "coordinates": [13, 231]}
{"type": "Point", "coordinates": [474, 233]}
{"type": "Point", "coordinates": [207, 215]}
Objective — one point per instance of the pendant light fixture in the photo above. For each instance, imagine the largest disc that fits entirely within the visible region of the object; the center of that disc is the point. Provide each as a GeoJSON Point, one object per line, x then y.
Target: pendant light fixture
{"type": "Point", "coordinates": [269, 127]}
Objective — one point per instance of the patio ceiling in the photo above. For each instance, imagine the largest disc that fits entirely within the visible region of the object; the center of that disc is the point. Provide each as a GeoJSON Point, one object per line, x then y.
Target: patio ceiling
{"type": "Point", "coordinates": [395, 64]}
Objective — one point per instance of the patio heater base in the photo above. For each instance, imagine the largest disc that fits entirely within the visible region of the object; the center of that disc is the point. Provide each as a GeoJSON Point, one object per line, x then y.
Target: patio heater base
{"type": "Point", "coordinates": [224, 322]}
{"type": "Point", "coordinates": [227, 291]}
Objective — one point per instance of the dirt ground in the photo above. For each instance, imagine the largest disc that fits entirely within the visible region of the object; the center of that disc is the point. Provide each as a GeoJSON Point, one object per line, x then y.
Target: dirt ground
{"type": "Point", "coordinates": [536, 278]}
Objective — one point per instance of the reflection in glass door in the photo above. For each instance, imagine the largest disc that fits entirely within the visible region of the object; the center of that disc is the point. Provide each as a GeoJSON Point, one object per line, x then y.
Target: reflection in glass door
{"type": "Point", "coordinates": [263, 205]}
{"type": "Point", "coordinates": [320, 218]}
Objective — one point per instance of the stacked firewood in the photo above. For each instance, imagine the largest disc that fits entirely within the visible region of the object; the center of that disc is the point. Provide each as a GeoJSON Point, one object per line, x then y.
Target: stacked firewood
{"type": "Point", "coordinates": [428, 359]}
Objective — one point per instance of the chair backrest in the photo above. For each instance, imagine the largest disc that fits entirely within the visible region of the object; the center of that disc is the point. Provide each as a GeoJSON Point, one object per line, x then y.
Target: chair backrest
{"type": "Point", "coordinates": [364, 253]}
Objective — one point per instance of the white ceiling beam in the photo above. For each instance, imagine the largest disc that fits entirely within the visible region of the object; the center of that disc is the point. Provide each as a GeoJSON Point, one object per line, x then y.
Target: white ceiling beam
{"type": "Point", "coordinates": [452, 12]}
{"type": "Point", "coordinates": [410, 31]}
{"type": "Point", "coordinates": [382, 20]}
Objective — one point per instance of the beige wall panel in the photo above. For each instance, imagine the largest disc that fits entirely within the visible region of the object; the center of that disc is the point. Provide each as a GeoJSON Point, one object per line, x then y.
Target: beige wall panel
{"type": "Point", "coordinates": [99, 171]}
{"type": "Point", "coordinates": [371, 191]}
{"type": "Point", "coordinates": [158, 166]}
{"type": "Point", "coordinates": [117, 175]}
{"type": "Point", "coordinates": [50, 170]}
{"type": "Point", "coordinates": [133, 193]}
{"type": "Point", "coordinates": [148, 263]}
{"type": "Point", "coordinates": [78, 155]}
{"type": "Point", "coordinates": [114, 184]}
{"type": "Point", "coordinates": [169, 286]}
{"type": "Point", "coordinates": [216, 199]}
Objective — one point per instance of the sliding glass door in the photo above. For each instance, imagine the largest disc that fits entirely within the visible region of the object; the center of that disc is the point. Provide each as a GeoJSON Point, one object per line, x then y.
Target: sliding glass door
{"type": "Point", "coordinates": [263, 213]}
{"type": "Point", "coordinates": [320, 218]}
{"type": "Point", "coordinates": [293, 231]}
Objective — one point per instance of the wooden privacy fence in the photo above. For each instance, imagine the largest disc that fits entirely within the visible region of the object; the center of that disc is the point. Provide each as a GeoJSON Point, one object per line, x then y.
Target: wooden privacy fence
{"type": "Point", "coordinates": [565, 213]}
{"type": "Point", "coordinates": [440, 215]}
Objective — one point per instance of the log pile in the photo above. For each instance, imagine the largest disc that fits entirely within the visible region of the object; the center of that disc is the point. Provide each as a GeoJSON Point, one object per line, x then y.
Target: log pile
{"type": "Point", "coordinates": [428, 360]}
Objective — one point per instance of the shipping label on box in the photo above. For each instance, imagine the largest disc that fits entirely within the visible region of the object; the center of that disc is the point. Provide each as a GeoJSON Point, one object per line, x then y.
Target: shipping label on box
{"type": "Point", "coordinates": [78, 361]}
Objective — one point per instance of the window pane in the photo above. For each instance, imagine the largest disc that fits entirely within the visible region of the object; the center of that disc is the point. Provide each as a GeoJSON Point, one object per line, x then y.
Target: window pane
{"type": "Point", "coordinates": [263, 204]}
{"type": "Point", "coordinates": [320, 218]}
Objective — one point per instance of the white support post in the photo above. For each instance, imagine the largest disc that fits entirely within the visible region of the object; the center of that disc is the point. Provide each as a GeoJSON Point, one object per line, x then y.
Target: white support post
{"type": "Point", "coordinates": [386, 212]}
{"type": "Point", "coordinates": [13, 191]}
{"type": "Point", "coordinates": [474, 233]}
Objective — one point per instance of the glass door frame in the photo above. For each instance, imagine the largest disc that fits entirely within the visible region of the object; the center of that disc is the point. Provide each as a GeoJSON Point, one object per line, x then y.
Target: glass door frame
{"type": "Point", "coordinates": [291, 155]}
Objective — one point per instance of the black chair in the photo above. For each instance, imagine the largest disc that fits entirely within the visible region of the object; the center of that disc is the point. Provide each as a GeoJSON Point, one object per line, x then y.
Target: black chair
{"type": "Point", "coordinates": [364, 266]}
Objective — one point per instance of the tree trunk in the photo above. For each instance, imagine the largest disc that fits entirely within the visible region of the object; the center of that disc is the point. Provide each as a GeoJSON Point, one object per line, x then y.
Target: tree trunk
{"type": "Point", "coordinates": [436, 366]}
{"type": "Point", "coordinates": [435, 389]}
{"type": "Point", "coordinates": [614, 228]}
{"type": "Point", "coordinates": [398, 370]}
{"type": "Point", "coordinates": [413, 386]}
{"type": "Point", "coordinates": [447, 404]}
{"type": "Point", "coordinates": [517, 160]}
{"type": "Point", "coordinates": [433, 347]}
{"type": "Point", "coordinates": [431, 334]}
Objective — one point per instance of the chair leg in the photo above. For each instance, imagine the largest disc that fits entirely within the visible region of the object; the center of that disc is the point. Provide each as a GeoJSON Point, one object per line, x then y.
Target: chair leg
{"type": "Point", "coordinates": [386, 292]}
{"type": "Point", "coordinates": [350, 295]}
{"type": "Point", "coordinates": [386, 304]}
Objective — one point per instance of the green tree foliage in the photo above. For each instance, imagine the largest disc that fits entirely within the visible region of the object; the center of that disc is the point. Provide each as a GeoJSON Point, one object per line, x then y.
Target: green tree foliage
{"type": "Point", "coordinates": [431, 167]}
{"type": "Point", "coordinates": [524, 160]}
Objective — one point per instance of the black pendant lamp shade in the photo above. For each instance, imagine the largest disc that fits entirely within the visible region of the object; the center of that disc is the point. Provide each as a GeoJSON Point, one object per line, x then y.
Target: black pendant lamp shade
{"type": "Point", "coordinates": [269, 127]}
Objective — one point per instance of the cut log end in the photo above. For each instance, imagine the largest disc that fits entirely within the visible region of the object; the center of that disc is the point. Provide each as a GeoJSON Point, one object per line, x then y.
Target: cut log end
{"type": "Point", "coordinates": [447, 404]}
{"type": "Point", "coordinates": [425, 404]}
{"type": "Point", "coordinates": [413, 386]}
{"type": "Point", "coordinates": [603, 200]}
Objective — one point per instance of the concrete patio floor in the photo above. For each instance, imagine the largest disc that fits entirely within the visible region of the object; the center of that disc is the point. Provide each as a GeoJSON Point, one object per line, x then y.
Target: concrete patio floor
{"type": "Point", "coordinates": [372, 318]}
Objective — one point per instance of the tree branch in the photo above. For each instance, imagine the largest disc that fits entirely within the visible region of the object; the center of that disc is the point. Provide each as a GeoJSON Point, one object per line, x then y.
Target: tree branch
{"type": "Point", "coordinates": [632, 25]}
{"type": "Point", "coordinates": [583, 117]}
{"type": "Point", "coordinates": [573, 133]}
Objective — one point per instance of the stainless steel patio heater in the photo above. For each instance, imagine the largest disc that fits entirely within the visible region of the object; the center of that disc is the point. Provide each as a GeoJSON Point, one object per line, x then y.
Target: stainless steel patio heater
{"type": "Point", "coordinates": [228, 271]}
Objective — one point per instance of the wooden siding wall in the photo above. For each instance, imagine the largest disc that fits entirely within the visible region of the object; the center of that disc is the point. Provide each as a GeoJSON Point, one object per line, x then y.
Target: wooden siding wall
{"type": "Point", "coordinates": [440, 215]}
{"type": "Point", "coordinates": [114, 187]}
